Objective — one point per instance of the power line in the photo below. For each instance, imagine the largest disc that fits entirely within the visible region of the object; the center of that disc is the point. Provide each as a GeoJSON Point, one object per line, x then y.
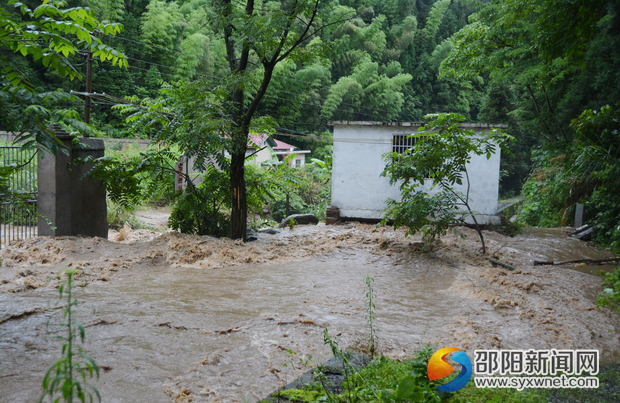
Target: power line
{"type": "Point", "coordinates": [267, 96]}
{"type": "Point", "coordinates": [273, 89]}
{"type": "Point", "coordinates": [151, 45]}
{"type": "Point", "coordinates": [196, 57]}
{"type": "Point", "coordinates": [140, 68]}
{"type": "Point", "coordinates": [306, 103]}
{"type": "Point", "coordinates": [212, 76]}
{"type": "Point", "coordinates": [171, 67]}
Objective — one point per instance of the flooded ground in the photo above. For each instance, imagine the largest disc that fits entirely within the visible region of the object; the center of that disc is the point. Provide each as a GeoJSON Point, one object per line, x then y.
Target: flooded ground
{"type": "Point", "coordinates": [184, 318]}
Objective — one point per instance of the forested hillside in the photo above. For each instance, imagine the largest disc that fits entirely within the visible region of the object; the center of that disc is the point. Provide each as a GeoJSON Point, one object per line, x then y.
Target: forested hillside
{"type": "Point", "coordinates": [535, 65]}
{"type": "Point", "coordinates": [382, 64]}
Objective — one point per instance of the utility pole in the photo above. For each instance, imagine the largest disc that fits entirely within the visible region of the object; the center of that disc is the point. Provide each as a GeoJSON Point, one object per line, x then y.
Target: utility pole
{"type": "Point", "coordinates": [89, 87]}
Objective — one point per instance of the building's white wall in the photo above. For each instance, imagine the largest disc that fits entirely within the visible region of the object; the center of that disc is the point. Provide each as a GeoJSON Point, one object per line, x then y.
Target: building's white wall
{"type": "Point", "coordinates": [360, 191]}
{"type": "Point", "coordinates": [299, 156]}
{"type": "Point", "coordinates": [260, 156]}
{"type": "Point", "coordinates": [357, 186]}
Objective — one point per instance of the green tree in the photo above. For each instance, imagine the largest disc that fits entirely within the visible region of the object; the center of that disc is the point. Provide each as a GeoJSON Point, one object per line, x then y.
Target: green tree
{"type": "Point", "coordinates": [271, 33]}
{"type": "Point", "coordinates": [50, 34]}
{"type": "Point", "coordinates": [553, 60]}
{"type": "Point", "coordinates": [596, 166]}
{"type": "Point", "coordinates": [440, 156]}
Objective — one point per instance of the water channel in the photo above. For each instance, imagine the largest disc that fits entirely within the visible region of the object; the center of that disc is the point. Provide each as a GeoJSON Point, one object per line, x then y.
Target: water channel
{"type": "Point", "coordinates": [166, 332]}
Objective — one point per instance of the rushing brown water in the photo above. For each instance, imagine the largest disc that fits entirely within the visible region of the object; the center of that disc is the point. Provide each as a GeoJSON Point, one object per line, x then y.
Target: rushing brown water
{"type": "Point", "coordinates": [553, 244]}
{"type": "Point", "coordinates": [194, 319]}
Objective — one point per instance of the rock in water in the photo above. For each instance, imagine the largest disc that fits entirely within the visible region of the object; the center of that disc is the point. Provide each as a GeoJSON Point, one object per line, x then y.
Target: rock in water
{"type": "Point", "coordinates": [250, 235]}
{"type": "Point", "coordinates": [300, 219]}
{"type": "Point", "coordinates": [270, 231]}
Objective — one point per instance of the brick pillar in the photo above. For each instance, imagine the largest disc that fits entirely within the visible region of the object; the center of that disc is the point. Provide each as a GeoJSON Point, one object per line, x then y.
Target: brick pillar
{"type": "Point", "coordinates": [332, 215]}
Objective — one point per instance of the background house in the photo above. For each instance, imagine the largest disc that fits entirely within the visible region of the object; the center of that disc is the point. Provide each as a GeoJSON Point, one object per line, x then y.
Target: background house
{"type": "Point", "coordinates": [260, 143]}
{"type": "Point", "coordinates": [260, 147]}
{"type": "Point", "coordinates": [359, 190]}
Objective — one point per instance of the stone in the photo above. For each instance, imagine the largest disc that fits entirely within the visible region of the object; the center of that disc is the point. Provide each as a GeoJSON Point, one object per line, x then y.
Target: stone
{"type": "Point", "coordinates": [250, 235]}
{"type": "Point", "coordinates": [270, 231]}
{"type": "Point", "coordinates": [300, 219]}
{"type": "Point", "coordinates": [333, 371]}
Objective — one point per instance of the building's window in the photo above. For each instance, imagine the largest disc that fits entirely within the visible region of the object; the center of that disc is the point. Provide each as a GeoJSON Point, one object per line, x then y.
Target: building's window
{"type": "Point", "coordinates": [297, 163]}
{"type": "Point", "coordinates": [402, 142]}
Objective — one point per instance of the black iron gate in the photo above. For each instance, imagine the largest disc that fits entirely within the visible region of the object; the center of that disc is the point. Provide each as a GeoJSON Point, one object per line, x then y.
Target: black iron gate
{"type": "Point", "coordinates": [18, 206]}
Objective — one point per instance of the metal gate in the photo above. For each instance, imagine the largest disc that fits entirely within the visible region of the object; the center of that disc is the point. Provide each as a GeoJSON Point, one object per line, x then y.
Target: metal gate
{"type": "Point", "coordinates": [18, 204]}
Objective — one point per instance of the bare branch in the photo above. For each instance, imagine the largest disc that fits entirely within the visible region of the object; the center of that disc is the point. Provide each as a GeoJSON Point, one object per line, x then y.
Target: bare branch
{"type": "Point", "coordinates": [228, 31]}
{"type": "Point", "coordinates": [274, 60]}
{"type": "Point", "coordinates": [307, 36]}
{"type": "Point", "coordinates": [301, 38]}
{"type": "Point", "coordinates": [245, 52]}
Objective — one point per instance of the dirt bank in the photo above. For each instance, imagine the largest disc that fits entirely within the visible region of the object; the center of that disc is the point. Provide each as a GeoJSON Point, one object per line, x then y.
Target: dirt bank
{"type": "Point", "coordinates": [188, 318]}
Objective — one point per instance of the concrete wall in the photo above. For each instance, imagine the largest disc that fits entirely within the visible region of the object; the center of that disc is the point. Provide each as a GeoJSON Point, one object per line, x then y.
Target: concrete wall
{"type": "Point", "coordinates": [75, 205]}
{"type": "Point", "coordinates": [359, 190]}
{"type": "Point", "coordinates": [111, 144]}
{"type": "Point", "coordinates": [259, 156]}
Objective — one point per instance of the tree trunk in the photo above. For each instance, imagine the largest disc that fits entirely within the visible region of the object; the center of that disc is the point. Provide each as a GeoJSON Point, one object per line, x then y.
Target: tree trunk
{"type": "Point", "coordinates": [239, 213]}
{"type": "Point", "coordinates": [542, 120]}
{"type": "Point", "coordinates": [242, 115]}
{"type": "Point", "coordinates": [479, 231]}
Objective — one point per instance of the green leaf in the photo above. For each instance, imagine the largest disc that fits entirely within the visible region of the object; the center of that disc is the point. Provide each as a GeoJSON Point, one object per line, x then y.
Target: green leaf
{"type": "Point", "coordinates": [406, 388]}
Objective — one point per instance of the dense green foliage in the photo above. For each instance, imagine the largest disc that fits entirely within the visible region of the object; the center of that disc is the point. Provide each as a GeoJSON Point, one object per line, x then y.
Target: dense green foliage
{"type": "Point", "coordinates": [379, 63]}
{"type": "Point", "coordinates": [536, 65]}
{"type": "Point", "coordinates": [52, 35]}
{"type": "Point", "coordinates": [587, 172]}
{"type": "Point", "coordinates": [611, 293]}
{"type": "Point", "coordinates": [552, 71]}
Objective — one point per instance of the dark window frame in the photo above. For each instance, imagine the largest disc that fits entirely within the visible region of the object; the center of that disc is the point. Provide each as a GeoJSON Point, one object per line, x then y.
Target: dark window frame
{"type": "Point", "coordinates": [402, 142]}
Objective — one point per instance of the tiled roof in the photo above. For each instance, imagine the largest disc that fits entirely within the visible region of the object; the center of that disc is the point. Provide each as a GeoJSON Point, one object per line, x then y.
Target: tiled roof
{"type": "Point", "coordinates": [259, 140]}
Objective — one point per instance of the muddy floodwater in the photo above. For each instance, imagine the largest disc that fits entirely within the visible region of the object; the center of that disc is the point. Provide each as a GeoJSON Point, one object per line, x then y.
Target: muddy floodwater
{"type": "Point", "coordinates": [184, 318]}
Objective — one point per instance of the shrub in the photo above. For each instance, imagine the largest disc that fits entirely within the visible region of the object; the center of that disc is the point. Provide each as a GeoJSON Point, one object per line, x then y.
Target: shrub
{"type": "Point", "coordinates": [610, 298]}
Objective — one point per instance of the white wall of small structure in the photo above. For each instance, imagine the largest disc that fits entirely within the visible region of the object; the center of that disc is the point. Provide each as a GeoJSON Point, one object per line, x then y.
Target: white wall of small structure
{"type": "Point", "coordinates": [359, 190]}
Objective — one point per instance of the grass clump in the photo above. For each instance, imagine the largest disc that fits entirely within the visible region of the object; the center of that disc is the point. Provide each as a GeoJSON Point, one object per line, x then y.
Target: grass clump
{"type": "Point", "coordinates": [471, 393]}
{"type": "Point", "coordinates": [299, 395]}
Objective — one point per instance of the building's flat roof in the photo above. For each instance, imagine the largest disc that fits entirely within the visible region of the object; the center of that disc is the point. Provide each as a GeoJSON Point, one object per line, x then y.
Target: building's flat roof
{"type": "Point", "coordinates": [281, 152]}
{"type": "Point", "coordinates": [413, 124]}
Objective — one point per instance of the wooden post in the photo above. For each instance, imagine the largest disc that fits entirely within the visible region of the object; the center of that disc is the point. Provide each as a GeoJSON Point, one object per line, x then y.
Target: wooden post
{"type": "Point", "coordinates": [578, 215]}
{"type": "Point", "coordinates": [89, 87]}
{"type": "Point", "coordinates": [287, 205]}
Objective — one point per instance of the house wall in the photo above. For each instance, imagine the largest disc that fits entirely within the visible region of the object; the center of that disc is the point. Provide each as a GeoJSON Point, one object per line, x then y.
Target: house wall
{"type": "Point", "coordinates": [260, 156]}
{"type": "Point", "coordinates": [359, 190]}
{"type": "Point", "coordinates": [299, 156]}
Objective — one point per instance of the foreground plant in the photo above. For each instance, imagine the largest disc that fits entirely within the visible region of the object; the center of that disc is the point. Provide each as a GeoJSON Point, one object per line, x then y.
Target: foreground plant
{"type": "Point", "coordinates": [67, 377]}
{"type": "Point", "coordinates": [610, 298]}
{"type": "Point", "coordinates": [440, 156]}
{"type": "Point", "coordinates": [382, 380]}
{"type": "Point", "coordinates": [370, 316]}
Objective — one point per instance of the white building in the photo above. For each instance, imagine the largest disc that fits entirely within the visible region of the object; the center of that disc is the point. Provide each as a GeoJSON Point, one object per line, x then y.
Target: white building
{"type": "Point", "coordinates": [359, 190]}
{"type": "Point", "coordinates": [259, 144]}
{"type": "Point", "coordinates": [259, 150]}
